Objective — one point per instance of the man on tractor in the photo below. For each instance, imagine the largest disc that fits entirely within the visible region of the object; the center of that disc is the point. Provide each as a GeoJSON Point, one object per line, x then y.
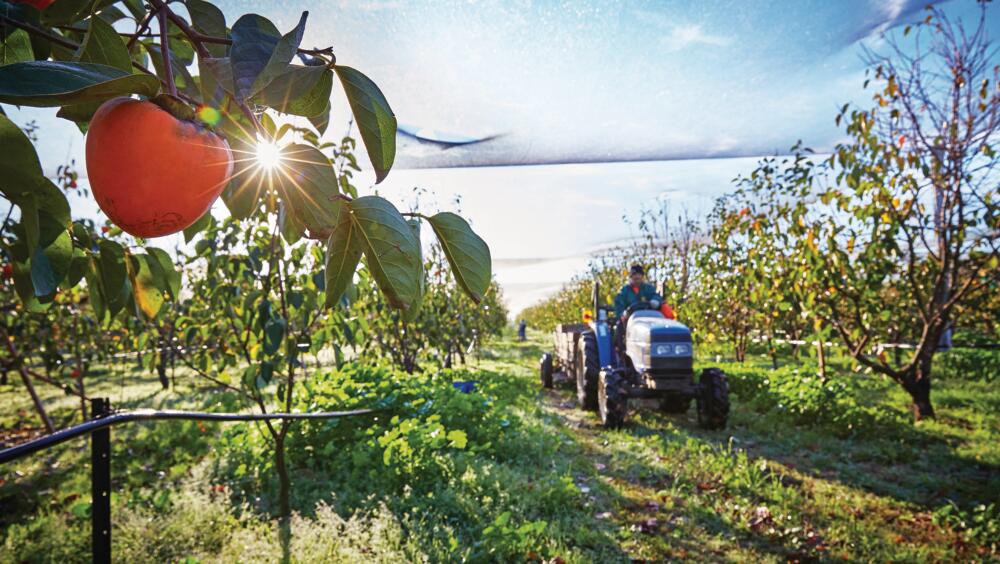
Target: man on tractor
{"type": "Point", "coordinates": [638, 290]}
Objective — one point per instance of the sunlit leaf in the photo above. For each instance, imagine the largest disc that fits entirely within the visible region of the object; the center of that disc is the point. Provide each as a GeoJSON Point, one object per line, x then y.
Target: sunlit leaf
{"type": "Point", "coordinates": [376, 122]}
{"type": "Point", "coordinates": [343, 253]}
{"type": "Point", "coordinates": [467, 253]}
{"type": "Point", "coordinates": [391, 251]}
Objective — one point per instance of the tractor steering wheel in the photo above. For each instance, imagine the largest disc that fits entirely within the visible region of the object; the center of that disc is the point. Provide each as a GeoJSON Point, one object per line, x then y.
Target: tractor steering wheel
{"type": "Point", "coordinates": [634, 308]}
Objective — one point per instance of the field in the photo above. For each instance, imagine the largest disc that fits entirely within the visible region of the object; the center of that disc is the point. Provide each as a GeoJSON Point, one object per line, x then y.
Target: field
{"type": "Point", "coordinates": [511, 472]}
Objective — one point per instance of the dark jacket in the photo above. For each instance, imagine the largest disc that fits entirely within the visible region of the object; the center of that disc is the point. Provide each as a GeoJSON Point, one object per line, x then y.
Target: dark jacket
{"type": "Point", "coordinates": [629, 296]}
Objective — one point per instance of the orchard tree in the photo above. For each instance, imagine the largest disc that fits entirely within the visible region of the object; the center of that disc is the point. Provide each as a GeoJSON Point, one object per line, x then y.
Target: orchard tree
{"type": "Point", "coordinates": [232, 110]}
{"type": "Point", "coordinates": [918, 180]}
{"type": "Point", "coordinates": [899, 228]}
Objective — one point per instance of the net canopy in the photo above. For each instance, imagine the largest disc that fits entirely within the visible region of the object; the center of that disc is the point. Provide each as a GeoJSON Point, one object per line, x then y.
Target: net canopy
{"type": "Point", "coordinates": [516, 83]}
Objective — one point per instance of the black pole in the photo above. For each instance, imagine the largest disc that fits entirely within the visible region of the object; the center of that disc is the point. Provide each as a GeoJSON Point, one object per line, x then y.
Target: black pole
{"type": "Point", "coordinates": [100, 484]}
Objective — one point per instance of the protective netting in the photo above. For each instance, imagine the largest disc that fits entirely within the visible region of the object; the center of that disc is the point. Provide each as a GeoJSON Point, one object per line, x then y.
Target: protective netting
{"type": "Point", "coordinates": [513, 83]}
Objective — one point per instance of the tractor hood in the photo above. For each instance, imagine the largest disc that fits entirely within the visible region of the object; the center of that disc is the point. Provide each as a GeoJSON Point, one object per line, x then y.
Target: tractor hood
{"type": "Point", "coordinates": [654, 343]}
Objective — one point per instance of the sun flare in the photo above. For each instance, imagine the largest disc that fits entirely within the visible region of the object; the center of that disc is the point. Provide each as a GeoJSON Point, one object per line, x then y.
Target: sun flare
{"type": "Point", "coordinates": [268, 155]}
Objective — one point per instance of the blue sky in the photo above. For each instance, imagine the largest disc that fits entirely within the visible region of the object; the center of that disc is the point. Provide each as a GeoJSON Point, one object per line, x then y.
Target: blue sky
{"type": "Point", "coordinates": [690, 91]}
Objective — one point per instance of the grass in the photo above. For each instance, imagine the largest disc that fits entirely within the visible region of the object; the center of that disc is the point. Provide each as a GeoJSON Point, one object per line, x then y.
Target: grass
{"type": "Point", "coordinates": [776, 485]}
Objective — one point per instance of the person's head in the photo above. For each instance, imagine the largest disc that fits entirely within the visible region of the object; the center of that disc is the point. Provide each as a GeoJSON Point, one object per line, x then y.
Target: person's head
{"type": "Point", "coordinates": [636, 275]}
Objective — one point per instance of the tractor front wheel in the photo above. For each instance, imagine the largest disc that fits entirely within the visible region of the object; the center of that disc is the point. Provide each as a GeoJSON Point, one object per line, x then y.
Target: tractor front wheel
{"type": "Point", "coordinates": [713, 399]}
{"type": "Point", "coordinates": [612, 399]}
{"type": "Point", "coordinates": [545, 370]}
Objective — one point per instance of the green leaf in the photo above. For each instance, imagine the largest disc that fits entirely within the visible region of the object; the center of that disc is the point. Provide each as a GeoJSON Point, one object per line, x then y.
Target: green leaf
{"type": "Point", "coordinates": [94, 288]}
{"type": "Point", "coordinates": [197, 227]}
{"type": "Point", "coordinates": [77, 268]}
{"type": "Point", "coordinates": [274, 332]}
{"type": "Point", "coordinates": [290, 229]}
{"type": "Point", "coordinates": [208, 20]}
{"type": "Point", "coordinates": [411, 313]}
{"type": "Point", "coordinates": [321, 121]}
{"type": "Point", "coordinates": [301, 91]}
{"type": "Point", "coordinates": [102, 45]}
{"type": "Point", "coordinates": [374, 117]}
{"type": "Point", "coordinates": [65, 12]}
{"type": "Point", "coordinates": [467, 253]}
{"type": "Point", "coordinates": [19, 164]}
{"type": "Point", "coordinates": [16, 47]}
{"type": "Point", "coordinates": [343, 253]}
{"type": "Point", "coordinates": [113, 274]}
{"type": "Point", "coordinates": [51, 83]}
{"type": "Point", "coordinates": [51, 259]}
{"type": "Point", "coordinates": [182, 77]}
{"type": "Point", "coordinates": [309, 188]}
{"type": "Point", "coordinates": [165, 270]}
{"type": "Point", "coordinates": [391, 251]}
{"type": "Point", "coordinates": [259, 52]}
{"type": "Point", "coordinates": [41, 48]}
{"type": "Point", "coordinates": [457, 439]}
{"type": "Point", "coordinates": [216, 78]}
{"type": "Point", "coordinates": [242, 194]}
{"type": "Point", "coordinates": [147, 288]}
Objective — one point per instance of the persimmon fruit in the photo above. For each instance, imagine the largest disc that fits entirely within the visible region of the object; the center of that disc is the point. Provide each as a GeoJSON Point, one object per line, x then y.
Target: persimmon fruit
{"type": "Point", "coordinates": [152, 173]}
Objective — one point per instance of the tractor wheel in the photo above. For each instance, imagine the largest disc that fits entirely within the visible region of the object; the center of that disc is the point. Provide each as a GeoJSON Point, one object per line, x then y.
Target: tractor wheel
{"type": "Point", "coordinates": [588, 369]}
{"type": "Point", "coordinates": [675, 404]}
{"type": "Point", "coordinates": [545, 369]}
{"type": "Point", "coordinates": [612, 403]}
{"type": "Point", "coordinates": [713, 399]}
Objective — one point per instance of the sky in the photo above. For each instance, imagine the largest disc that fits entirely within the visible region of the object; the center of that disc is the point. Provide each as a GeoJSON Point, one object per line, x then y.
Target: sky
{"type": "Point", "coordinates": [575, 114]}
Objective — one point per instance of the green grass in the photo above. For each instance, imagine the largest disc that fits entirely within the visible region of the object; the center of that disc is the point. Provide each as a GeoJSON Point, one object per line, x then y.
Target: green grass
{"type": "Point", "coordinates": [796, 482]}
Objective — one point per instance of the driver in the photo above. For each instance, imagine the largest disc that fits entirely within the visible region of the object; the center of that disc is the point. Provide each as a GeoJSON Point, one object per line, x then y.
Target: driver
{"type": "Point", "coordinates": [638, 290]}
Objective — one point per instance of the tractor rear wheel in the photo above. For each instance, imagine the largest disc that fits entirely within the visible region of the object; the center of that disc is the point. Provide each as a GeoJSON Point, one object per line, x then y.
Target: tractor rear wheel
{"type": "Point", "coordinates": [588, 368]}
{"type": "Point", "coordinates": [545, 370]}
{"type": "Point", "coordinates": [713, 399]}
{"type": "Point", "coordinates": [612, 401]}
{"type": "Point", "coordinates": [675, 404]}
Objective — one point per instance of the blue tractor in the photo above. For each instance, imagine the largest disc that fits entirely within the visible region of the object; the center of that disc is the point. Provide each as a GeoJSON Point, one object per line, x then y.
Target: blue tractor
{"type": "Point", "coordinates": [642, 356]}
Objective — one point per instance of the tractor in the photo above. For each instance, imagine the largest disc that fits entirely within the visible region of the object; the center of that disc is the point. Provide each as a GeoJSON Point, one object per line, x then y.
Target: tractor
{"type": "Point", "coordinates": [642, 356]}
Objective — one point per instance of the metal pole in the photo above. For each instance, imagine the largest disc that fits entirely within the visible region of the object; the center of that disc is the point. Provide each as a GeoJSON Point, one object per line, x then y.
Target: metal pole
{"type": "Point", "coordinates": [100, 484]}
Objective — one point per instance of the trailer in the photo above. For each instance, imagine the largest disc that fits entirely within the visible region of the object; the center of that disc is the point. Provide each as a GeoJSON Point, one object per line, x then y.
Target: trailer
{"type": "Point", "coordinates": [566, 361]}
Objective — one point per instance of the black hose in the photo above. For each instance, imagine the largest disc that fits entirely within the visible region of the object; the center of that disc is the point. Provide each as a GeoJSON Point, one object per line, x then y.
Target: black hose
{"type": "Point", "coordinates": [88, 427]}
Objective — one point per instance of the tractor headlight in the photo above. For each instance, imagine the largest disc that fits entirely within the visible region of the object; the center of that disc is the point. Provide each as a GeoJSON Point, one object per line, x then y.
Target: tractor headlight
{"type": "Point", "coordinates": [662, 350]}
{"type": "Point", "coordinates": [682, 350]}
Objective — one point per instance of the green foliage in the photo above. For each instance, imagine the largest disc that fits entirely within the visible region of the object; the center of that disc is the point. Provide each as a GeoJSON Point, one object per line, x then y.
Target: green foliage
{"type": "Point", "coordinates": [969, 364]}
{"type": "Point", "coordinates": [979, 524]}
{"type": "Point", "coordinates": [430, 451]}
{"type": "Point", "coordinates": [798, 395]}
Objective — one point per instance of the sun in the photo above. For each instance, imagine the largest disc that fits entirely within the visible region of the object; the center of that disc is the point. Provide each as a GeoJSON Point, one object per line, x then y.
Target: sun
{"type": "Point", "coordinates": [268, 155]}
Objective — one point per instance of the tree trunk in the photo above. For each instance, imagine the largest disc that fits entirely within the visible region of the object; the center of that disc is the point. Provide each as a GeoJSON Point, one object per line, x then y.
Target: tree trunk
{"type": "Point", "coordinates": [918, 384]}
{"type": "Point", "coordinates": [161, 372]}
{"type": "Point", "coordinates": [284, 484]}
{"type": "Point", "coordinates": [920, 392]}
{"type": "Point", "coordinates": [821, 357]}
{"type": "Point", "coordinates": [773, 351]}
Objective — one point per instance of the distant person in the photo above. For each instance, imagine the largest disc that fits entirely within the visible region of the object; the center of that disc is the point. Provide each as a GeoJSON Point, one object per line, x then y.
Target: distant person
{"type": "Point", "coordinates": [522, 330]}
{"type": "Point", "coordinates": [638, 290]}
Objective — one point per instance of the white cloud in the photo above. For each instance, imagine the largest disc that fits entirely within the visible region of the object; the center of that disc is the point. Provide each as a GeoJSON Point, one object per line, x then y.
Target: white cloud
{"type": "Point", "coordinates": [684, 36]}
